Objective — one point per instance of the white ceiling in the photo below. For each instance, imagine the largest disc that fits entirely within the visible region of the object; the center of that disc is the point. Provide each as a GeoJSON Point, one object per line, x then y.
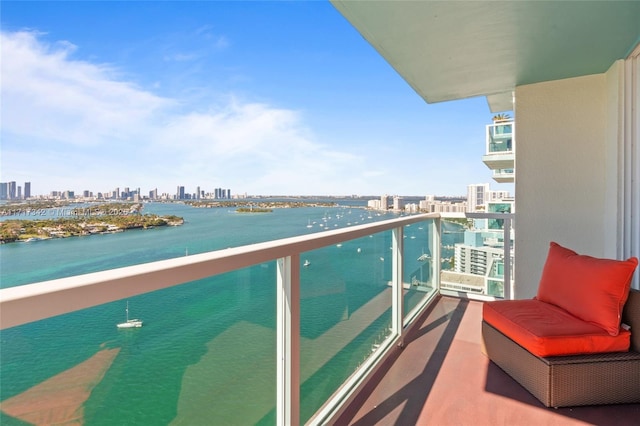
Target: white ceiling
{"type": "Point", "coordinates": [458, 49]}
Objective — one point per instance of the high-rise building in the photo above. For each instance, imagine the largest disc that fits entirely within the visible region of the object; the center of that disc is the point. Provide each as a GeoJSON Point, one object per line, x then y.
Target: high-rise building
{"type": "Point", "coordinates": [477, 196]}
{"type": "Point", "coordinates": [398, 203]}
{"type": "Point", "coordinates": [180, 193]}
{"type": "Point", "coordinates": [27, 190]}
{"type": "Point", "coordinates": [12, 190]}
{"type": "Point", "coordinates": [4, 190]}
{"type": "Point", "coordinates": [384, 202]}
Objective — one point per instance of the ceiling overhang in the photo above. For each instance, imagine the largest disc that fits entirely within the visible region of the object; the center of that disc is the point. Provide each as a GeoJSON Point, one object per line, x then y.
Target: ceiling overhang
{"type": "Point", "coordinates": [459, 49]}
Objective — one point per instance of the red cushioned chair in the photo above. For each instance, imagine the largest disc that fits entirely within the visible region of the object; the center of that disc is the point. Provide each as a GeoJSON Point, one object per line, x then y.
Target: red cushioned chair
{"type": "Point", "coordinates": [578, 341]}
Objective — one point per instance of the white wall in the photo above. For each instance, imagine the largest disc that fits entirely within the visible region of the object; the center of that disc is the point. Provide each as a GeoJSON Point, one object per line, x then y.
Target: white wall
{"type": "Point", "coordinates": [563, 174]}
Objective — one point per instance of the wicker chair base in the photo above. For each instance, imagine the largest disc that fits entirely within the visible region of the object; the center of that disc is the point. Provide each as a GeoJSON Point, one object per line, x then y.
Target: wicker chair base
{"type": "Point", "coordinates": [566, 381]}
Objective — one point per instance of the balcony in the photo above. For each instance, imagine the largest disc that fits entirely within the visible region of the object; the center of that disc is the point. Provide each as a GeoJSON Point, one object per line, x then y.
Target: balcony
{"type": "Point", "coordinates": [504, 175]}
{"type": "Point", "coordinates": [442, 377]}
{"type": "Point", "coordinates": [330, 338]}
{"type": "Point", "coordinates": [500, 153]}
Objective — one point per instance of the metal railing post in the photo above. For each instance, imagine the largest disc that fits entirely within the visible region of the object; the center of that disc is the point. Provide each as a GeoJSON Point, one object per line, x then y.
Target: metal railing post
{"type": "Point", "coordinates": [397, 301]}
{"type": "Point", "coordinates": [507, 258]}
{"type": "Point", "coordinates": [288, 341]}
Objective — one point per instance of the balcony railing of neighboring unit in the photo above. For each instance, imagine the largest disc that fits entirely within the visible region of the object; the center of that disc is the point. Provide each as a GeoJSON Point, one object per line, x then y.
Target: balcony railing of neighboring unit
{"type": "Point", "coordinates": [315, 313]}
{"type": "Point", "coordinates": [487, 267]}
{"type": "Point", "coordinates": [499, 138]}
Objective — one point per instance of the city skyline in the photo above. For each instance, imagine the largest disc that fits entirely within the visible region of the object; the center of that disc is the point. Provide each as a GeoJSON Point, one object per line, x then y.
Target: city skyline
{"type": "Point", "coordinates": [283, 98]}
{"type": "Point", "coordinates": [10, 191]}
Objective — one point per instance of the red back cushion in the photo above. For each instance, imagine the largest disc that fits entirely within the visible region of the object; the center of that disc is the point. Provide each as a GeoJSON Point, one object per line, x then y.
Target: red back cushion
{"type": "Point", "coordinates": [594, 290]}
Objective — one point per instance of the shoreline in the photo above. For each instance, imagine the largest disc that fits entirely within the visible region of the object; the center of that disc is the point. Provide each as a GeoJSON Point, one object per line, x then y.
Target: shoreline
{"type": "Point", "coordinates": [19, 230]}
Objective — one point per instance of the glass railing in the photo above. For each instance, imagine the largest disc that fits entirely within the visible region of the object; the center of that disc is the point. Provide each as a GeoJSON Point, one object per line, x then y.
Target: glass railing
{"type": "Point", "coordinates": [503, 173]}
{"type": "Point", "coordinates": [499, 138]}
{"type": "Point", "coordinates": [278, 332]}
{"type": "Point", "coordinates": [482, 260]}
{"type": "Point", "coordinates": [421, 269]}
{"type": "Point", "coordinates": [500, 147]}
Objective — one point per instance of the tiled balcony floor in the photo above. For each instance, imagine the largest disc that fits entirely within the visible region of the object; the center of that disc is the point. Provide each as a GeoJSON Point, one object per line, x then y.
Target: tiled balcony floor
{"type": "Point", "coordinates": [442, 377]}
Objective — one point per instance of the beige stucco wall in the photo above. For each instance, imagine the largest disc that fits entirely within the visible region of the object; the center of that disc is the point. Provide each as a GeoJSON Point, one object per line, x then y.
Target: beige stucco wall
{"type": "Point", "coordinates": [564, 173]}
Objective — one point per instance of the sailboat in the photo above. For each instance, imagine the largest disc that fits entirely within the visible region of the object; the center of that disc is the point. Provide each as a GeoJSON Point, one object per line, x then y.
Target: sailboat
{"type": "Point", "coordinates": [130, 323]}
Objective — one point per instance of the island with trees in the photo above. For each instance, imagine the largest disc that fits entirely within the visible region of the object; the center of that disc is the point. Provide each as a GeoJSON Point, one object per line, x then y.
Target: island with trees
{"type": "Point", "coordinates": [78, 221]}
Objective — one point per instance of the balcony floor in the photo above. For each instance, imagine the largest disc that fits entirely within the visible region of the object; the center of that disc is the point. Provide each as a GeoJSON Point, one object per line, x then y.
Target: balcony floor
{"type": "Point", "coordinates": [442, 377]}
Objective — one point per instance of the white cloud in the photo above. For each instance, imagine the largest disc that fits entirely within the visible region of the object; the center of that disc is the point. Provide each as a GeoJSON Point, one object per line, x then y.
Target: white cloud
{"type": "Point", "coordinates": [50, 97]}
{"type": "Point", "coordinates": [91, 116]}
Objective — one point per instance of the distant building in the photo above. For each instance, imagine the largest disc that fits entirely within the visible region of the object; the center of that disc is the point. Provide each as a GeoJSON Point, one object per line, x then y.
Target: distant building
{"type": "Point", "coordinates": [411, 208]}
{"type": "Point", "coordinates": [27, 190]}
{"type": "Point", "coordinates": [180, 193]}
{"type": "Point", "coordinates": [398, 203]}
{"type": "Point", "coordinates": [477, 196]}
{"type": "Point", "coordinates": [431, 205]}
{"type": "Point", "coordinates": [12, 190]}
{"type": "Point", "coordinates": [480, 195]}
{"type": "Point", "coordinates": [384, 202]}
{"type": "Point", "coordinates": [374, 204]}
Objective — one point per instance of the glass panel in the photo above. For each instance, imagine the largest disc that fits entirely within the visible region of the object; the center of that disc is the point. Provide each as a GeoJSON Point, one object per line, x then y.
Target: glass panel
{"type": "Point", "coordinates": [453, 233]}
{"type": "Point", "coordinates": [495, 288]}
{"type": "Point", "coordinates": [477, 265]}
{"type": "Point", "coordinates": [204, 355]}
{"type": "Point", "coordinates": [345, 311]}
{"type": "Point", "coordinates": [500, 138]}
{"type": "Point", "coordinates": [418, 264]}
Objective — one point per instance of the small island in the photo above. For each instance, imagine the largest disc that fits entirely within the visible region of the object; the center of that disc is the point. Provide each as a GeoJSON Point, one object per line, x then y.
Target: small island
{"type": "Point", "coordinates": [253, 210]}
{"type": "Point", "coordinates": [103, 219]}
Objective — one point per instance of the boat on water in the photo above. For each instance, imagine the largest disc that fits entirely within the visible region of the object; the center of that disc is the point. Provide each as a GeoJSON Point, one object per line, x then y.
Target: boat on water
{"type": "Point", "coordinates": [306, 263]}
{"type": "Point", "coordinates": [424, 257]}
{"type": "Point", "coordinates": [130, 323]}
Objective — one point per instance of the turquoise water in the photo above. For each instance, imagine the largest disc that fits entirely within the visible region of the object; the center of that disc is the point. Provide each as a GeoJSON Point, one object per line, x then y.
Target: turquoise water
{"type": "Point", "coordinates": [206, 353]}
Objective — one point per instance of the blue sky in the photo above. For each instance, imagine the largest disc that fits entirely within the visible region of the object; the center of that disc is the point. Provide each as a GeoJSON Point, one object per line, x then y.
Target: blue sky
{"type": "Point", "coordinates": [259, 97]}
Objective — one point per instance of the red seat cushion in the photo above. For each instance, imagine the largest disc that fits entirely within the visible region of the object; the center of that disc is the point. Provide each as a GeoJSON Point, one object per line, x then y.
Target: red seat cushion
{"type": "Point", "coordinates": [594, 290]}
{"type": "Point", "coordinates": [546, 330]}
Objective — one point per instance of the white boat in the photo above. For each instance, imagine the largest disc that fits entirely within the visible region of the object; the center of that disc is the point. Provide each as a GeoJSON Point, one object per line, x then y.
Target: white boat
{"type": "Point", "coordinates": [307, 263]}
{"type": "Point", "coordinates": [130, 323]}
